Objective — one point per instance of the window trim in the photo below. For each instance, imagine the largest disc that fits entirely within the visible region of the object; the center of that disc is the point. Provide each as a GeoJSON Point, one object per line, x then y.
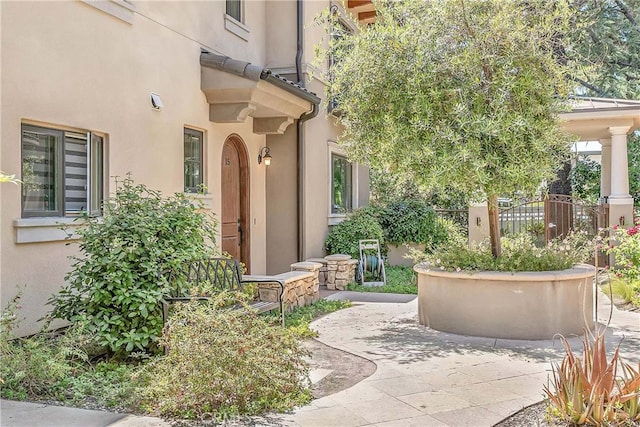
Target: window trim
{"type": "Point", "coordinates": [203, 171]}
{"type": "Point", "coordinates": [335, 218]}
{"type": "Point", "coordinates": [60, 131]}
{"type": "Point", "coordinates": [236, 27]}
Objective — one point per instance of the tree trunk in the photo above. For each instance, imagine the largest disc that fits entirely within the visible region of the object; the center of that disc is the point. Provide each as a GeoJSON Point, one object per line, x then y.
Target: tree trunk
{"type": "Point", "coordinates": [494, 225]}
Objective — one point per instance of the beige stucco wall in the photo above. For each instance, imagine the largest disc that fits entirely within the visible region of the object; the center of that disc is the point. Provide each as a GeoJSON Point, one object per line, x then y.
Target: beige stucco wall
{"type": "Point", "coordinates": [282, 202]}
{"type": "Point", "coordinates": [69, 64]}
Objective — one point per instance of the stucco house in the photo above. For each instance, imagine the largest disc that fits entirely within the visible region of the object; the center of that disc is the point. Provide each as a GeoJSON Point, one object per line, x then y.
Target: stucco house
{"type": "Point", "coordinates": [185, 95]}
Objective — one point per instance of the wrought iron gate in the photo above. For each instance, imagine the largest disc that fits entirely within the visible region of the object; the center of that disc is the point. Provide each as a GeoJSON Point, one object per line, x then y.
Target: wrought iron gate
{"type": "Point", "coordinates": [553, 217]}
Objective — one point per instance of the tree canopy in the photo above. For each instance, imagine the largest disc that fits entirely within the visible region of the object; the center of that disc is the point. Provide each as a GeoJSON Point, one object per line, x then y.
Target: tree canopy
{"type": "Point", "coordinates": [456, 94]}
{"type": "Point", "coordinates": [605, 47]}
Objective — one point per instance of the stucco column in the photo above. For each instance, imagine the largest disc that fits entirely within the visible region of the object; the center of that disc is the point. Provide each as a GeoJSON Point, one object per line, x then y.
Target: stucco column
{"type": "Point", "coordinates": [478, 223]}
{"type": "Point", "coordinates": [620, 202]}
{"type": "Point", "coordinates": [605, 168]}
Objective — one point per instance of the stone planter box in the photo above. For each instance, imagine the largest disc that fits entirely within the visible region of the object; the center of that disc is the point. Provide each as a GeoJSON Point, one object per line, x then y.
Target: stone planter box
{"type": "Point", "coordinates": [395, 255]}
{"type": "Point", "coordinates": [526, 305]}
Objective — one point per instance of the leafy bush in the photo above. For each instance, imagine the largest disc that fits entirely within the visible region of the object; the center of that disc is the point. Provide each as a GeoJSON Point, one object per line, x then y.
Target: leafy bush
{"type": "Point", "coordinates": [625, 246]}
{"type": "Point", "coordinates": [222, 362]}
{"type": "Point", "coordinates": [589, 390]}
{"type": "Point", "coordinates": [519, 253]}
{"type": "Point", "coordinates": [113, 286]}
{"type": "Point", "coordinates": [585, 179]}
{"type": "Point", "coordinates": [411, 221]}
{"type": "Point", "coordinates": [361, 224]}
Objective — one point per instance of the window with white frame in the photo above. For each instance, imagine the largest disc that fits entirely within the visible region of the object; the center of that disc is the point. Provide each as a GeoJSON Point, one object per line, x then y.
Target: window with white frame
{"type": "Point", "coordinates": [234, 9]}
{"type": "Point", "coordinates": [193, 160]}
{"type": "Point", "coordinates": [62, 172]}
{"type": "Point", "coordinates": [341, 184]}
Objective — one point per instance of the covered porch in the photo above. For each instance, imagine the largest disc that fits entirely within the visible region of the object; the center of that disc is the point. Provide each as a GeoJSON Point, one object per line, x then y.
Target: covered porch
{"type": "Point", "coordinates": [610, 122]}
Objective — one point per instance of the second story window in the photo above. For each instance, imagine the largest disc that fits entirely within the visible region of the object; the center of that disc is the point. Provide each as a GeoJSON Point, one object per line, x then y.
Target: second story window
{"type": "Point", "coordinates": [234, 9]}
{"type": "Point", "coordinates": [193, 163]}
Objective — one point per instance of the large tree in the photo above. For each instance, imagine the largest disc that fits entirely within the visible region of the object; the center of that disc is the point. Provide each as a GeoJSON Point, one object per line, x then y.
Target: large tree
{"type": "Point", "coordinates": [456, 93]}
{"type": "Point", "coordinates": [605, 47]}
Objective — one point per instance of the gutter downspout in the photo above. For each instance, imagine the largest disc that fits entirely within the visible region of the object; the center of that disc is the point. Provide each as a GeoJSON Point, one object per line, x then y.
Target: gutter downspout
{"type": "Point", "coordinates": [300, 137]}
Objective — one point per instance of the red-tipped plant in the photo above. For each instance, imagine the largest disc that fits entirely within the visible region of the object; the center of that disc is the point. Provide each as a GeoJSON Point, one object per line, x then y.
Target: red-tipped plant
{"type": "Point", "coordinates": [589, 391]}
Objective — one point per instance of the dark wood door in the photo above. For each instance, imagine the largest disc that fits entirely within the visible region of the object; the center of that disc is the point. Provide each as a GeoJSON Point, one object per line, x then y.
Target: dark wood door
{"type": "Point", "coordinates": [235, 201]}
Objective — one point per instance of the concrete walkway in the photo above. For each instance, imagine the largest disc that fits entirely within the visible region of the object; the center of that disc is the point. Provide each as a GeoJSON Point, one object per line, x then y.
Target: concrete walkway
{"type": "Point", "coordinates": [428, 378]}
{"type": "Point", "coordinates": [423, 377]}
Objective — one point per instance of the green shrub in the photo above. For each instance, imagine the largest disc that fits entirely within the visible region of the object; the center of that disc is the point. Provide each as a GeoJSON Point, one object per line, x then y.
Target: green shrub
{"type": "Point", "coordinates": [411, 221]}
{"type": "Point", "coordinates": [519, 253]}
{"type": "Point", "coordinates": [113, 286]}
{"type": "Point", "coordinates": [222, 362]}
{"type": "Point", "coordinates": [361, 224]}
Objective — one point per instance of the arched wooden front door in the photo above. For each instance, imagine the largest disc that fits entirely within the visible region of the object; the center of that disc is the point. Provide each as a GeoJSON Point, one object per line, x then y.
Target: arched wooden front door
{"type": "Point", "coordinates": [235, 200]}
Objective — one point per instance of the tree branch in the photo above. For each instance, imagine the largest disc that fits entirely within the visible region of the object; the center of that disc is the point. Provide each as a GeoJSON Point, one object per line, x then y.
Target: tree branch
{"type": "Point", "coordinates": [589, 86]}
{"type": "Point", "coordinates": [627, 13]}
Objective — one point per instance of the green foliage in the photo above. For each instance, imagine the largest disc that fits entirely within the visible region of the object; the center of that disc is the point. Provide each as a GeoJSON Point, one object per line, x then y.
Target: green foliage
{"type": "Point", "coordinates": [585, 180]}
{"type": "Point", "coordinates": [519, 254]}
{"type": "Point", "coordinates": [387, 188]}
{"type": "Point", "coordinates": [603, 47]}
{"type": "Point", "coordinates": [627, 289]}
{"type": "Point", "coordinates": [8, 178]}
{"type": "Point", "coordinates": [297, 320]}
{"type": "Point", "coordinates": [411, 221]}
{"type": "Point", "coordinates": [359, 225]}
{"type": "Point", "coordinates": [472, 93]}
{"type": "Point", "coordinates": [56, 366]}
{"type": "Point", "coordinates": [113, 286]}
{"type": "Point", "coordinates": [589, 390]}
{"type": "Point", "coordinates": [625, 246]}
{"type": "Point", "coordinates": [35, 367]}
{"type": "Point", "coordinates": [225, 362]}
{"type": "Point", "coordinates": [633, 154]}
{"type": "Point", "coordinates": [400, 280]}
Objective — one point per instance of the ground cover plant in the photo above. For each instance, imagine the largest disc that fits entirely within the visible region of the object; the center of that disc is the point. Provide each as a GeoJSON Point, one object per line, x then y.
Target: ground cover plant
{"type": "Point", "coordinates": [62, 367]}
{"type": "Point", "coordinates": [297, 320]}
{"type": "Point", "coordinates": [400, 280]}
{"type": "Point", "coordinates": [113, 286]}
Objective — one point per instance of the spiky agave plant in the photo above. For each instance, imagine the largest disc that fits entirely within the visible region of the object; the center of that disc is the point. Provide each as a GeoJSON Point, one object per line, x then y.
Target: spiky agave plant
{"type": "Point", "coordinates": [589, 390]}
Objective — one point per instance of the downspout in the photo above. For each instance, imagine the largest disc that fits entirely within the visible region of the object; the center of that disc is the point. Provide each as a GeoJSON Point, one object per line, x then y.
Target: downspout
{"type": "Point", "coordinates": [300, 137]}
{"type": "Point", "coordinates": [301, 199]}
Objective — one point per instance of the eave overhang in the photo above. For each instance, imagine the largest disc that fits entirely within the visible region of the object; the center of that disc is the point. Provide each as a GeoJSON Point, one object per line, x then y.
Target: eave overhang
{"type": "Point", "coordinates": [236, 90]}
{"type": "Point", "coordinates": [591, 118]}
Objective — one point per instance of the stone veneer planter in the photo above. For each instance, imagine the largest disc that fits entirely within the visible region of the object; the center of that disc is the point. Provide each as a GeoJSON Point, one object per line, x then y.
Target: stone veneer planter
{"type": "Point", "coordinates": [526, 305]}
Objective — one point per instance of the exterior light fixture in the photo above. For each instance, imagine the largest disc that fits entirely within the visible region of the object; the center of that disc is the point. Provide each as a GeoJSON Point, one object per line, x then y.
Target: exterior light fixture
{"type": "Point", "coordinates": [266, 156]}
{"type": "Point", "coordinates": [156, 102]}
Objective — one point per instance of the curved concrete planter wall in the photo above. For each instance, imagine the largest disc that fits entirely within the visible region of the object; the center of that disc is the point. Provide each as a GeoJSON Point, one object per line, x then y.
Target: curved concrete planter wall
{"type": "Point", "coordinates": [527, 305]}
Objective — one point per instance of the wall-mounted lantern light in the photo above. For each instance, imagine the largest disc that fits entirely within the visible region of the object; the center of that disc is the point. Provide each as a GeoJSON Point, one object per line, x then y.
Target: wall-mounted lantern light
{"type": "Point", "coordinates": [266, 156]}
